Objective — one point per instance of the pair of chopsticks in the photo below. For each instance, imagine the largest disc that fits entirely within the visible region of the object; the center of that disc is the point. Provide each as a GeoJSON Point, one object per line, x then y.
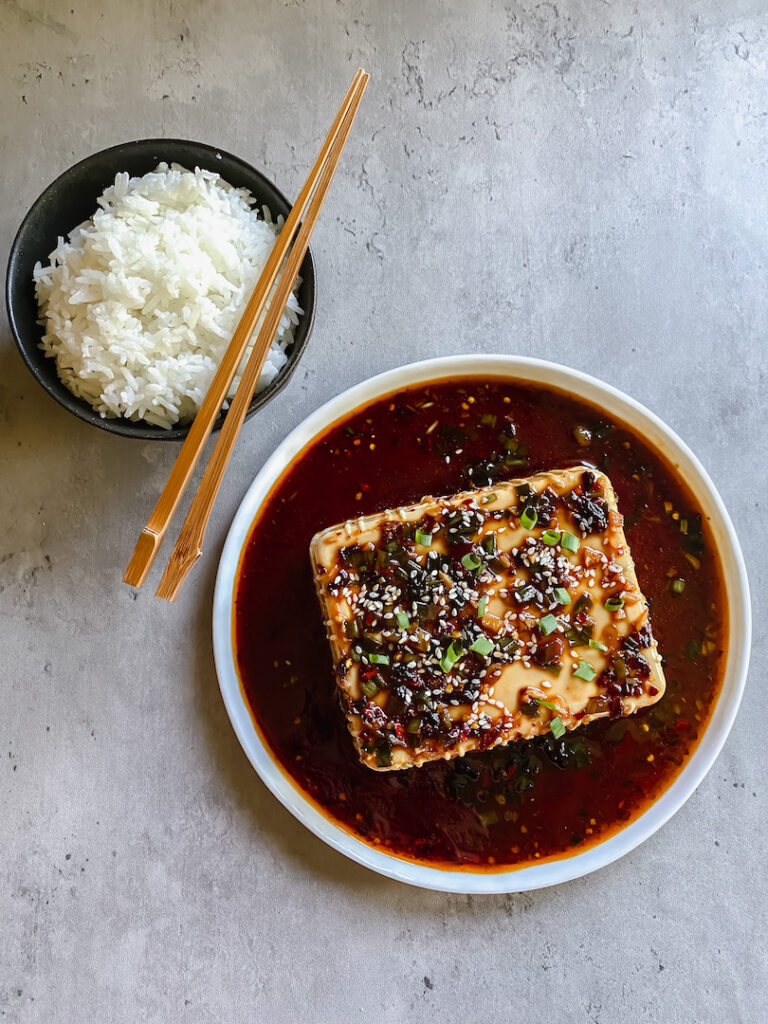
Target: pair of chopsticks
{"type": "Point", "coordinates": [189, 544]}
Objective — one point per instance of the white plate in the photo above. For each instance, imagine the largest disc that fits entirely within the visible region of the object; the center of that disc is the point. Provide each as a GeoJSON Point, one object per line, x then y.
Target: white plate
{"type": "Point", "coordinates": [616, 404]}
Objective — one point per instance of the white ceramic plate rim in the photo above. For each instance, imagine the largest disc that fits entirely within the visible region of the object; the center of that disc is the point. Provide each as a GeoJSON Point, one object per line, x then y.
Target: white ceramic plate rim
{"type": "Point", "coordinates": [547, 873]}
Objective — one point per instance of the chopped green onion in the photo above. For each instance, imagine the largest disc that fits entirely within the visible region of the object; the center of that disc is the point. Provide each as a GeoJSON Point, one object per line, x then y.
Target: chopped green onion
{"type": "Point", "coordinates": [446, 663]}
{"type": "Point", "coordinates": [383, 757]}
{"type": "Point", "coordinates": [352, 629]}
{"type": "Point", "coordinates": [584, 671]}
{"type": "Point", "coordinates": [546, 704]}
{"type": "Point", "coordinates": [547, 624]}
{"type": "Point", "coordinates": [423, 538]}
{"type": "Point", "coordinates": [575, 637]}
{"type": "Point", "coordinates": [378, 659]}
{"type": "Point", "coordinates": [451, 656]}
{"type": "Point", "coordinates": [568, 542]}
{"type": "Point", "coordinates": [551, 538]}
{"type": "Point", "coordinates": [678, 586]}
{"type": "Point", "coordinates": [488, 498]}
{"type": "Point", "coordinates": [471, 561]}
{"type": "Point", "coordinates": [369, 688]}
{"type": "Point", "coordinates": [692, 649]}
{"type": "Point", "coordinates": [482, 604]}
{"type": "Point", "coordinates": [488, 817]}
{"type": "Point", "coordinates": [483, 646]}
{"type": "Point", "coordinates": [557, 728]}
{"type": "Point", "coordinates": [489, 543]}
{"type": "Point", "coordinates": [402, 620]}
{"type": "Point", "coordinates": [615, 604]}
{"type": "Point", "coordinates": [529, 518]}
{"type": "Point", "coordinates": [601, 430]}
{"type": "Point", "coordinates": [488, 419]}
{"type": "Point", "coordinates": [505, 642]}
{"type": "Point", "coordinates": [597, 645]}
{"type": "Point", "coordinates": [562, 595]}
{"type": "Point", "coordinates": [414, 725]}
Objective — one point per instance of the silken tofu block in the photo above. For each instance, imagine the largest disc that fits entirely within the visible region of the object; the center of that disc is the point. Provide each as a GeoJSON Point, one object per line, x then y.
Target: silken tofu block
{"type": "Point", "coordinates": [461, 623]}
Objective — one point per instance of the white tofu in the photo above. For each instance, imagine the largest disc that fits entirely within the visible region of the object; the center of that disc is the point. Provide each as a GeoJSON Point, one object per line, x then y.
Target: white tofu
{"type": "Point", "coordinates": [442, 647]}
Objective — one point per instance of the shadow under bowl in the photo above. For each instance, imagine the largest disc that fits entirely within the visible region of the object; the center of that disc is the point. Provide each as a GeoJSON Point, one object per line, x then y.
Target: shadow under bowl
{"type": "Point", "coordinates": [72, 199]}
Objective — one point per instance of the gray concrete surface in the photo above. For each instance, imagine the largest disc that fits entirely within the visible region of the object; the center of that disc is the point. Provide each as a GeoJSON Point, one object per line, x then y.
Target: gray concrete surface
{"type": "Point", "coordinates": [579, 180]}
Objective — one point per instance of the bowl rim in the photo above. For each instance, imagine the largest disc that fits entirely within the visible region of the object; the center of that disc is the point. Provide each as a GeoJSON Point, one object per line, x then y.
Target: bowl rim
{"type": "Point", "coordinates": [549, 872]}
{"type": "Point", "coordinates": [138, 429]}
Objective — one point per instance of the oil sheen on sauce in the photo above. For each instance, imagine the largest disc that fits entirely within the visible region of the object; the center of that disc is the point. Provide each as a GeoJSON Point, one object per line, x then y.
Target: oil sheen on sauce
{"type": "Point", "coordinates": [509, 805]}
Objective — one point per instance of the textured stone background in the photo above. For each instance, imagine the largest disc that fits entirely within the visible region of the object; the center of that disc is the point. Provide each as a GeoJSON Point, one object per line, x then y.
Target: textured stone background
{"type": "Point", "coordinates": [578, 180]}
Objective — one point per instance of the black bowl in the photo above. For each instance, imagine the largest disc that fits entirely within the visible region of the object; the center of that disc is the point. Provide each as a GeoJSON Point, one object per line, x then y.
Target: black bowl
{"type": "Point", "coordinates": [69, 201]}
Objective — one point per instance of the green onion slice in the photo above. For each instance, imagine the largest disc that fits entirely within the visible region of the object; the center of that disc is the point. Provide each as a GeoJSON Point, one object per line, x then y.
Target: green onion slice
{"type": "Point", "coordinates": [597, 645]}
{"type": "Point", "coordinates": [471, 561]}
{"type": "Point", "coordinates": [678, 586]}
{"type": "Point", "coordinates": [378, 659]}
{"type": "Point", "coordinates": [585, 671]}
{"type": "Point", "coordinates": [489, 543]}
{"type": "Point", "coordinates": [615, 604]}
{"type": "Point", "coordinates": [546, 704]}
{"type": "Point", "coordinates": [423, 538]}
{"type": "Point", "coordinates": [402, 620]}
{"type": "Point", "coordinates": [482, 604]}
{"type": "Point", "coordinates": [562, 595]}
{"type": "Point", "coordinates": [451, 656]}
{"type": "Point", "coordinates": [551, 538]}
{"type": "Point", "coordinates": [529, 518]}
{"type": "Point", "coordinates": [569, 542]}
{"type": "Point", "coordinates": [557, 728]}
{"type": "Point", "coordinates": [547, 624]}
{"type": "Point", "coordinates": [483, 646]}
{"type": "Point", "coordinates": [369, 688]}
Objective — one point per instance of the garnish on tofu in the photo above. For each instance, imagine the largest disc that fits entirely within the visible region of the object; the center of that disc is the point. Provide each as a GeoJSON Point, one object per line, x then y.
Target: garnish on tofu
{"type": "Point", "coordinates": [463, 623]}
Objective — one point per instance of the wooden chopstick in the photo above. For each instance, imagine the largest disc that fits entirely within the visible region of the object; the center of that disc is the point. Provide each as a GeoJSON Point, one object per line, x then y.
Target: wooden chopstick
{"type": "Point", "coordinates": [189, 545]}
{"type": "Point", "coordinates": [153, 533]}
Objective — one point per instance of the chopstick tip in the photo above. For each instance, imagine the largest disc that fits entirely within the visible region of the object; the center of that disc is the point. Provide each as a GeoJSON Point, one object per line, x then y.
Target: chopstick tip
{"type": "Point", "coordinates": [179, 566]}
{"type": "Point", "coordinates": [142, 558]}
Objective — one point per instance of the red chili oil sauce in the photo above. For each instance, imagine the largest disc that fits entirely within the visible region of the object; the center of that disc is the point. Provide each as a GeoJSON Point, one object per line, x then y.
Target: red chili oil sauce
{"type": "Point", "coordinates": [513, 804]}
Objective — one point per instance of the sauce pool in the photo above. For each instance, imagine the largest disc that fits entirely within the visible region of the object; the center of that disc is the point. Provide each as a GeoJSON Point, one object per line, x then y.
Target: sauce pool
{"type": "Point", "coordinates": [509, 805]}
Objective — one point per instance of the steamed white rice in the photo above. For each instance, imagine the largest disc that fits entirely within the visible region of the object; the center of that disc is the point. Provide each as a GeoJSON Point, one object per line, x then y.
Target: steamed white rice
{"type": "Point", "coordinates": [140, 303]}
